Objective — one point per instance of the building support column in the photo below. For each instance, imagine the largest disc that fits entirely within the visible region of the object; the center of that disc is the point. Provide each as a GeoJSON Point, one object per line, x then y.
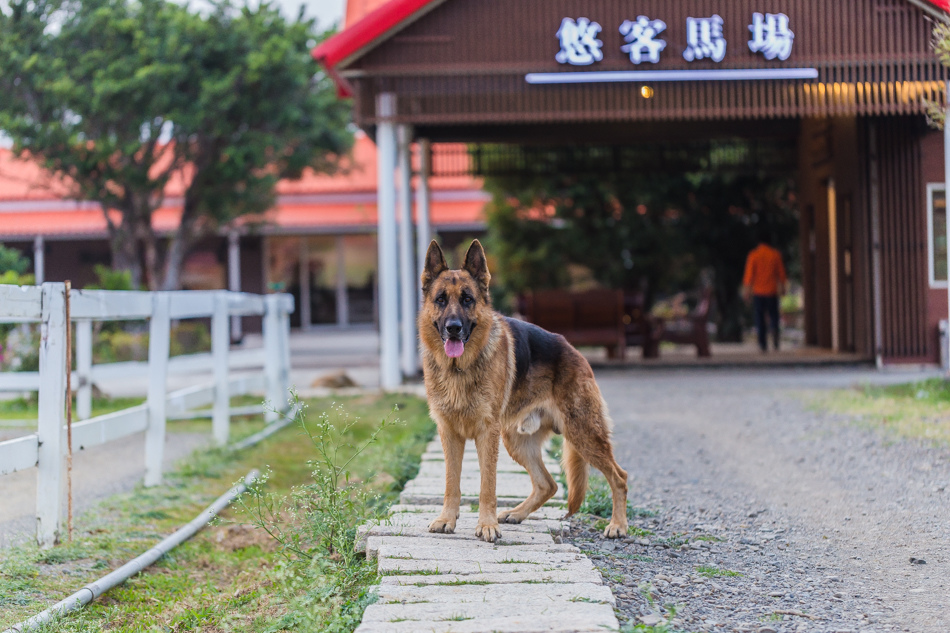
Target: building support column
{"type": "Point", "coordinates": [304, 260]}
{"type": "Point", "coordinates": [342, 301]}
{"type": "Point", "coordinates": [39, 260]}
{"type": "Point", "coordinates": [234, 279]}
{"type": "Point", "coordinates": [387, 266]}
{"type": "Point", "coordinates": [423, 212]}
{"type": "Point", "coordinates": [407, 258]}
{"type": "Point", "coordinates": [833, 265]}
{"type": "Point", "coordinates": [875, 194]}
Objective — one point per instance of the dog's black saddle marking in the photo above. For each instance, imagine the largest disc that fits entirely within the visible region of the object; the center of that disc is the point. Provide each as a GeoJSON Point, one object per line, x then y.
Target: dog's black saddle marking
{"type": "Point", "coordinates": [533, 346]}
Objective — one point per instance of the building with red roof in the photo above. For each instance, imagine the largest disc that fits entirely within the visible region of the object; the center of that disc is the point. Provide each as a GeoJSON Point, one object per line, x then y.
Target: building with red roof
{"type": "Point", "coordinates": [844, 83]}
{"type": "Point", "coordinates": [330, 218]}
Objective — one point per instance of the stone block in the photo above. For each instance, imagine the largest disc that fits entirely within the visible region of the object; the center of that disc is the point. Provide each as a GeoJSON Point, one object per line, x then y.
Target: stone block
{"type": "Point", "coordinates": [516, 563]}
{"type": "Point", "coordinates": [524, 593]}
{"type": "Point", "coordinates": [532, 577]}
{"type": "Point", "coordinates": [501, 618]}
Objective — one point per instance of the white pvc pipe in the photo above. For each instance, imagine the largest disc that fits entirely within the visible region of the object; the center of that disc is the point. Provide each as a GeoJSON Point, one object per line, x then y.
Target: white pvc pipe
{"type": "Point", "coordinates": [95, 589]}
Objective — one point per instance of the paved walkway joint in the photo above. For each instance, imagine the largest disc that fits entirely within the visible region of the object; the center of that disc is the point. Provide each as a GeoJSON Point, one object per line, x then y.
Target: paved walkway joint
{"type": "Point", "coordinates": [527, 582]}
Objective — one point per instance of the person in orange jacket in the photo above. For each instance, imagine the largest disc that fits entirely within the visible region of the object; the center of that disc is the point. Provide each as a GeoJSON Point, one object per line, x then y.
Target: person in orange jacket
{"type": "Point", "coordinates": [764, 282]}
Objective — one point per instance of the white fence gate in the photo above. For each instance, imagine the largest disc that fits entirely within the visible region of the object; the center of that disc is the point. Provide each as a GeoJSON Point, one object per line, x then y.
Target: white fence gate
{"type": "Point", "coordinates": [46, 304]}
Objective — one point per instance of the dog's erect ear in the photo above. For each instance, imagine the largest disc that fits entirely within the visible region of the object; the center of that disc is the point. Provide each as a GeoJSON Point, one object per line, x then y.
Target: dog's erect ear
{"type": "Point", "coordinates": [476, 265]}
{"type": "Point", "coordinates": [435, 265]}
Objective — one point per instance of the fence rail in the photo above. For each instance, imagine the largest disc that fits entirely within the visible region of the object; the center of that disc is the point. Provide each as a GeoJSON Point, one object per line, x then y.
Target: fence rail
{"type": "Point", "coordinates": [46, 449]}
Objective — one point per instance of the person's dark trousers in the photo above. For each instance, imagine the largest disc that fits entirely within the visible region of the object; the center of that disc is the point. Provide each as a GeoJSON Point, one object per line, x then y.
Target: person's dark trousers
{"type": "Point", "coordinates": [766, 305]}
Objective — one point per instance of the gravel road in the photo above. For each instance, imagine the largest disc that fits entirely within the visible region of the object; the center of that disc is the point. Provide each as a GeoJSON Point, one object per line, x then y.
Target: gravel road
{"type": "Point", "coordinates": [820, 516]}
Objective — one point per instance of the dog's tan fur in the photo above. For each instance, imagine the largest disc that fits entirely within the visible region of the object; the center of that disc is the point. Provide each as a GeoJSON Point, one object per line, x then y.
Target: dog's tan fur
{"type": "Point", "coordinates": [498, 390]}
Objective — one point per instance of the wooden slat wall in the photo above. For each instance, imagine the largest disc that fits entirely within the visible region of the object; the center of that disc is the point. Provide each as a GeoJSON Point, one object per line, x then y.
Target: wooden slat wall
{"type": "Point", "coordinates": [903, 243]}
{"type": "Point", "coordinates": [465, 63]}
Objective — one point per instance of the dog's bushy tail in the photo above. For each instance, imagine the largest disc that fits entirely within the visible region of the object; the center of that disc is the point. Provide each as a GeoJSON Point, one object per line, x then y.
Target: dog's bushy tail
{"type": "Point", "coordinates": [577, 471]}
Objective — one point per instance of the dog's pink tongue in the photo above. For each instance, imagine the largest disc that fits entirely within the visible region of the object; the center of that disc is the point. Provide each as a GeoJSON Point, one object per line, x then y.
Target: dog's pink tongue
{"type": "Point", "coordinates": [453, 348]}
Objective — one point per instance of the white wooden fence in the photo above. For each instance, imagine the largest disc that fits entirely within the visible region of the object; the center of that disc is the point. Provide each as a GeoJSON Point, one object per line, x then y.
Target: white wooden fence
{"type": "Point", "coordinates": [46, 305]}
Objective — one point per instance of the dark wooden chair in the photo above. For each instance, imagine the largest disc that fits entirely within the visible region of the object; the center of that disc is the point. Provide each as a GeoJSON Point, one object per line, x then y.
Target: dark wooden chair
{"type": "Point", "coordinates": [640, 329]}
{"type": "Point", "coordinates": [590, 318]}
{"type": "Point", "coordinates": [691, 329]}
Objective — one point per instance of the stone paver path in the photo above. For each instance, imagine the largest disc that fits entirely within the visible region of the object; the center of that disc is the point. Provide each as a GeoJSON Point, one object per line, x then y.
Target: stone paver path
{"type": "Point", "coordinates": [527, 582]}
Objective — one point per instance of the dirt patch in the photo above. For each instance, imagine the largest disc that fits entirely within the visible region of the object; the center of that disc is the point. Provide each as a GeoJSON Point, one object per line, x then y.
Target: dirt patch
{"type": "Point", "coordinates": [241, 536]}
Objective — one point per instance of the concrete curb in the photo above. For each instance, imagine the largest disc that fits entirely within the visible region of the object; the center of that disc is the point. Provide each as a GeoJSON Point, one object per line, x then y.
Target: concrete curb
{"type": "Point", "coordinates": [440, 583]}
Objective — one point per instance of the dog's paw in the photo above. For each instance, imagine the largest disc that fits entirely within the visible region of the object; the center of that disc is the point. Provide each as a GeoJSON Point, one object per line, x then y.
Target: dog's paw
{"type": "Point", "coordinates": [615, 530]}
{"type": "Point", "coordinates": [509, 516]}
{"type": "Point", "coordinates": [445, 526]}
{"type": "Point", "coordinates": [488, 532]}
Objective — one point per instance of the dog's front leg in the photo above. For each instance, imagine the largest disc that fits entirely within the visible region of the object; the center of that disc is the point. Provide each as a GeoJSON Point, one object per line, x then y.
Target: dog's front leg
{"type": "Point", "coordinates": [453, 446]}
{"type": "Point", "coordinates": [487, 446]}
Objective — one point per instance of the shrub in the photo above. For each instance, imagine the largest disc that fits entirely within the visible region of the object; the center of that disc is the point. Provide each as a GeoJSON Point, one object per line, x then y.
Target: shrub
{"type": "Point", "coordinates": [315, 526]}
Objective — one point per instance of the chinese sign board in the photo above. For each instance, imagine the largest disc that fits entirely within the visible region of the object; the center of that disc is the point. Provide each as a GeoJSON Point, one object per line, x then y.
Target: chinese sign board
{"type": "Point", "coordinates": [645, 39]}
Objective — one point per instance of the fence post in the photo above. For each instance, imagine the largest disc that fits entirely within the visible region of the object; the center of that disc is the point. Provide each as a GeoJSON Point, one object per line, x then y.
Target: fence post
{"type": "Point", "coordinates": [220, 342]}
{"type": "Point", "coordinates": [51, 416]}
{"type": "Point", "coordinates": [84, 369]}
{"type": "Point", "coordinates": [284, 357]}
{"type": "Point", "coordinates": [159, 335]}
{"type": "Point", "coordinates": [272, 355]}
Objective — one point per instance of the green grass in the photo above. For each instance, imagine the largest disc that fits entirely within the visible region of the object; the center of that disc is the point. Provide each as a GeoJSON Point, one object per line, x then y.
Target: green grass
{"type": "Point", "coordinates": [714, 572]}
{"type": "Point", "coordinates": [25, 409]}
{"type": "Point", "coordinates": [458, 618]}
{"type": "Point", "coordinates": [231, 576]}
{"type": "Point", "coordinates": [675, 540]}
{"type": "Point", "coordinates": [598, 501]}
{"type": "Point", "coordinates": [22, 413]}
{"type": "Point", "coordinates": [918, 410]}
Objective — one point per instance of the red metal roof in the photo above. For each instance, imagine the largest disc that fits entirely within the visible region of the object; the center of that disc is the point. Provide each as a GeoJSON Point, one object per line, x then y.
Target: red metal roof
{"type": "Point", "coordinates": [33, 202]}
{"type": "Point", "coordinates": [372, 27]}
{"type": "Point", "coordinates": [387, 18]}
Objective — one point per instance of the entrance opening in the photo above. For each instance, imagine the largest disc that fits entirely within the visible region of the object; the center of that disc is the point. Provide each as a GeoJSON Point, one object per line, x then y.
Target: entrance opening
{"type": "Point", "coordinates": [668, 223]}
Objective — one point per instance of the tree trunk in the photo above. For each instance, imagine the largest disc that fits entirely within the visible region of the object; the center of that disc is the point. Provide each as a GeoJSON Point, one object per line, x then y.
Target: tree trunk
{"type": "Point", "coordinates": [125, 256]}
{"type": "Point", "coordinates": [174, 259]}
{"type": "Point", "coordinates": [185, 237]}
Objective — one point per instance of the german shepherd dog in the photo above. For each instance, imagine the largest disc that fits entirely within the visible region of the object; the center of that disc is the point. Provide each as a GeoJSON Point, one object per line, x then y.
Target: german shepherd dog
{"type": "Point", "coordinates": [488, 377]}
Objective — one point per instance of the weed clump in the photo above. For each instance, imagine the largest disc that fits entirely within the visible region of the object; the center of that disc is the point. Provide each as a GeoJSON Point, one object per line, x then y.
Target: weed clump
{"type": "Point", "coordinates": [315, 524]}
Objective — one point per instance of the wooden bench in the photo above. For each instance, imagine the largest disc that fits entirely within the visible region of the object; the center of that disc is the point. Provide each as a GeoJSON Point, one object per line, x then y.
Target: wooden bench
{"type": "Point", "coordinates": [591, 317]}
{"type": "Point", "coordinates": [640, 329]}
{"type": "Point", "coordinates": [691, 329]}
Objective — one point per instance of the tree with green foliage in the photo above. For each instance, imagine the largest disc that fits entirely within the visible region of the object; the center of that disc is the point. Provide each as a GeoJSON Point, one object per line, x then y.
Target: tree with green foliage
{"type": "Point", "coordinates": [13, 267]}
{"type": "Point", "coordinates": [649, 231]}
{"type": "Point", "coordinates": [123, 97]}
{"type": "Point", "coordinates": [936, 113]}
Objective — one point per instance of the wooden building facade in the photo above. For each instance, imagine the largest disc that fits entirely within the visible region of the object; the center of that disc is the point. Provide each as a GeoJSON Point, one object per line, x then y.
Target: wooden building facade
{"type": "Point", "coordinates": [847, 80]}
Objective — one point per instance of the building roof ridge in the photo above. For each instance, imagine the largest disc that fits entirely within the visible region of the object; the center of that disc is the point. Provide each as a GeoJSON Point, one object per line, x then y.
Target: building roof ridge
{"type": "Point", "coordinates": [380, 23]}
